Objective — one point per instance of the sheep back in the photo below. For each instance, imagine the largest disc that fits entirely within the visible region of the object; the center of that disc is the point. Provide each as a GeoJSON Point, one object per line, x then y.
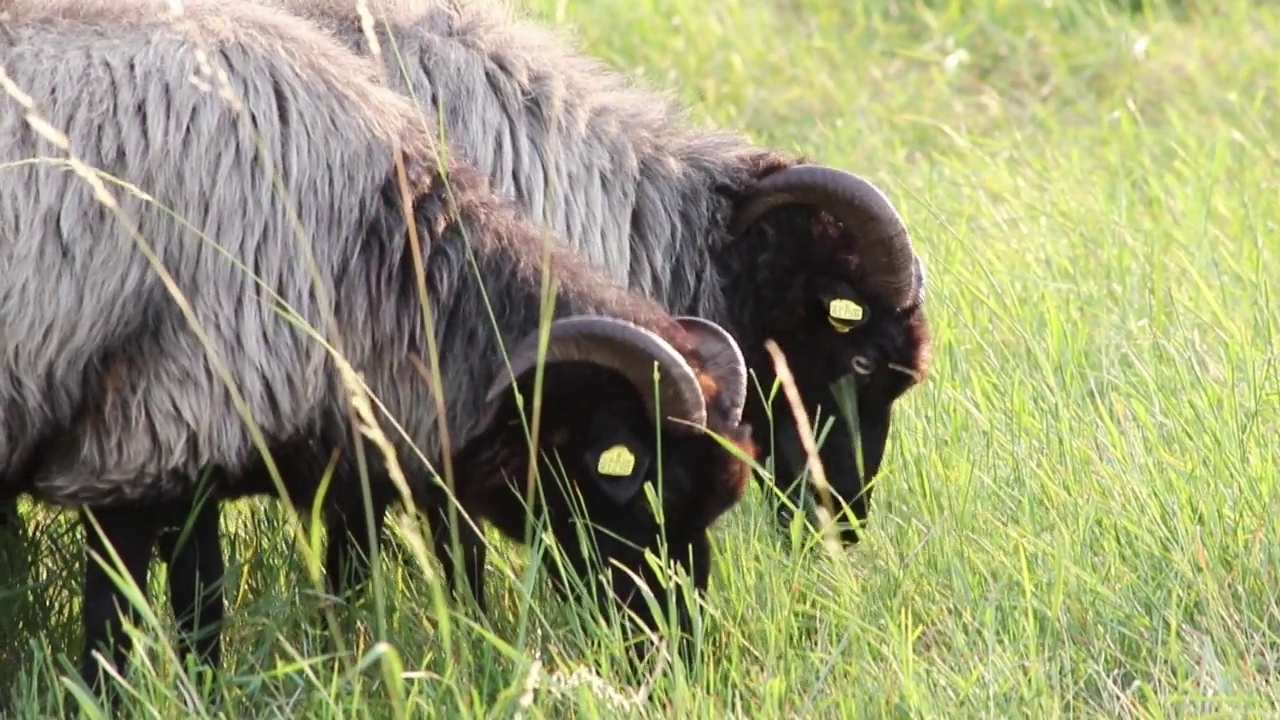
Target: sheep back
{"type": "Point", "coordinates": [616, 171]}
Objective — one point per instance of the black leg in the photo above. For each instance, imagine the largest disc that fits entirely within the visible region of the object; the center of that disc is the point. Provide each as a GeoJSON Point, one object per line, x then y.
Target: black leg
{"type": "Point", "coordinates": [9, 514]}
{"type": "Point", "coordinates": [21, 613]}
{"type": "Point", "coordinates": [471, 544]}
{"type": "Point", "coordinates": [348, 556]}
{"type": "Point", "coordinates": [194, 554]}
{"type": "Point", "coordinates": [132, 532]}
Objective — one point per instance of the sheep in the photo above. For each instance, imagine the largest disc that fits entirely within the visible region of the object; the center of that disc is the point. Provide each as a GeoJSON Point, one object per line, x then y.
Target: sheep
{"type": "Point", "coordinates": [140, 316]}
{"type": "Point", "coordinates": [707, 223]}
{"type": "Point", "coordinates": [704, 222]}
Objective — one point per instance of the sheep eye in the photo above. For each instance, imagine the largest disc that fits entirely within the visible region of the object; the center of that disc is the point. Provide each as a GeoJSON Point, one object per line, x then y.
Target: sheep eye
{"type": "Point", "coordinates": [861, 365]}
{"type": "Point", "coordinates": [617, 461]}
{"type": "Point", "coordinates": [844, 314]}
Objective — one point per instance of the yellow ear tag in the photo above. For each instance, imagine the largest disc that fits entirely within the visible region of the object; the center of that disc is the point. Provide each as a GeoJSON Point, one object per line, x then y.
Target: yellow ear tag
{"type": "Point", "coordinates": [617, 461]}
{"type": "Point", "coordinates": [842, 314]}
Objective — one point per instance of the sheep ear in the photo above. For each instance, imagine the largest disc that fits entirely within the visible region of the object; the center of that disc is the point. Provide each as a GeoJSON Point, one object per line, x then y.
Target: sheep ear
{"type": "Point", "coordinates": [618, 470]}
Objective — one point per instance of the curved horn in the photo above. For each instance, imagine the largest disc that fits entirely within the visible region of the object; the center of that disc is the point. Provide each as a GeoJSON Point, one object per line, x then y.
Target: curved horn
{"type": "Point", "coordinates": [623, 347]}
{"type": "Point", "coordinates": [722, 359]}
{"type": "Point", "coordinates": [883, 242]}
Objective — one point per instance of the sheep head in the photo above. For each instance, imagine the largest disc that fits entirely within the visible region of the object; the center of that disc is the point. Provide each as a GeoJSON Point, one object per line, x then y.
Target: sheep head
{"type": "Point", "coordinates": [846, 310]}
{"type": "Point", "coordinates": [600, 443]}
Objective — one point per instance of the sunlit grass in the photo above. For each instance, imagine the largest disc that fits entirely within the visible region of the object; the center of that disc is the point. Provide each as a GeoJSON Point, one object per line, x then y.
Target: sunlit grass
{"type": "Point", "coordinates": [1077, 515]}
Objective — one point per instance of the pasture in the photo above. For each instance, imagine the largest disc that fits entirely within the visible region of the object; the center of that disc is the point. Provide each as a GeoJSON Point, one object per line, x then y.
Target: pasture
{"type": "Point", "coordinates": [1077, 512]}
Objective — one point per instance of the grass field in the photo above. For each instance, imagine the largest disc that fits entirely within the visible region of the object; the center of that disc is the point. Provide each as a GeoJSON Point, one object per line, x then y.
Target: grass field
{"type": "Point", "coordinates": [1077, 515]}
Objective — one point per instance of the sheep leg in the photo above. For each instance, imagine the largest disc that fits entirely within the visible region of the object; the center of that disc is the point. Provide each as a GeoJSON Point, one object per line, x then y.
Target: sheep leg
{"type": "Point", "coordinates": [9, 513]}
{"type": "Point", "coordinates": [195, 575]}
{"type": "Point", "coordinates": [132, 532]}
{"type": "Point", "coordinates": [472, 555]}
{"type": "Point", "coordinates": [348, 559]}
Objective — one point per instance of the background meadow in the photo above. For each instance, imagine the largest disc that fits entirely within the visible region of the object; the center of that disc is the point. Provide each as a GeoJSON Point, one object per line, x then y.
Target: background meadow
{"type": "Point", "coordinates": [1077, 513]}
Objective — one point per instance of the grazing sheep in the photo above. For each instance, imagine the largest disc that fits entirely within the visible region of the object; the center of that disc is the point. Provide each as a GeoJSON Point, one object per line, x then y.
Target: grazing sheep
{"type": "Point", "coordinates": [145, 315]}
{"type": "Point", "coordinates": [705, 222]}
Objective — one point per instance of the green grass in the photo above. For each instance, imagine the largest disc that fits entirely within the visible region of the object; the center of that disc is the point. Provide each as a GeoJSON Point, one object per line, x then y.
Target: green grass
{"type": "Point", "coordinates": [1077, 515]}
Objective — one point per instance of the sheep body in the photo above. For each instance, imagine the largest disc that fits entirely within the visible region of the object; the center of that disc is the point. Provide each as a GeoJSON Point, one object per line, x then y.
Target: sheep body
{"type": "Point", "coordinates": [112, 334]}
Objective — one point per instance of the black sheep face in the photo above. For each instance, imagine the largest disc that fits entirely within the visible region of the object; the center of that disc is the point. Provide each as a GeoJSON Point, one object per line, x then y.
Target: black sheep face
{"type": "Point", "coordinates": [852, 353]}
{"type": "Point", "coordinates": [851, 357]}
{"type": "Point", "coordinates": [598, 449]}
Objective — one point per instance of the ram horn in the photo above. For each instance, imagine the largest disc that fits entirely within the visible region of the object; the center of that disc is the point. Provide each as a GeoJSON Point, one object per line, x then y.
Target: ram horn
{"type": "Point", "coordinates": [721, 359]}
{"type": "Point", "coordinates": [624, 347]}
{"type": "Point", "coordinates": [883, 243]}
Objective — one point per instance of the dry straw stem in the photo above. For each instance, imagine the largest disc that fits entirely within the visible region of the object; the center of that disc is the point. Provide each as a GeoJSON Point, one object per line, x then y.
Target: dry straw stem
{"type": "Point", "coordinates": [430, 370]}
{"type": "Point", "coordinates": [818, 474]}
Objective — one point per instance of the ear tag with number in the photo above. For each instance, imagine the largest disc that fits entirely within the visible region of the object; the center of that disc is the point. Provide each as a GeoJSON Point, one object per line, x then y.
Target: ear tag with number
{"type": "Point", "coordinates": [843, 314]}
{"type": "Point", "coordinates": [617, 461]}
